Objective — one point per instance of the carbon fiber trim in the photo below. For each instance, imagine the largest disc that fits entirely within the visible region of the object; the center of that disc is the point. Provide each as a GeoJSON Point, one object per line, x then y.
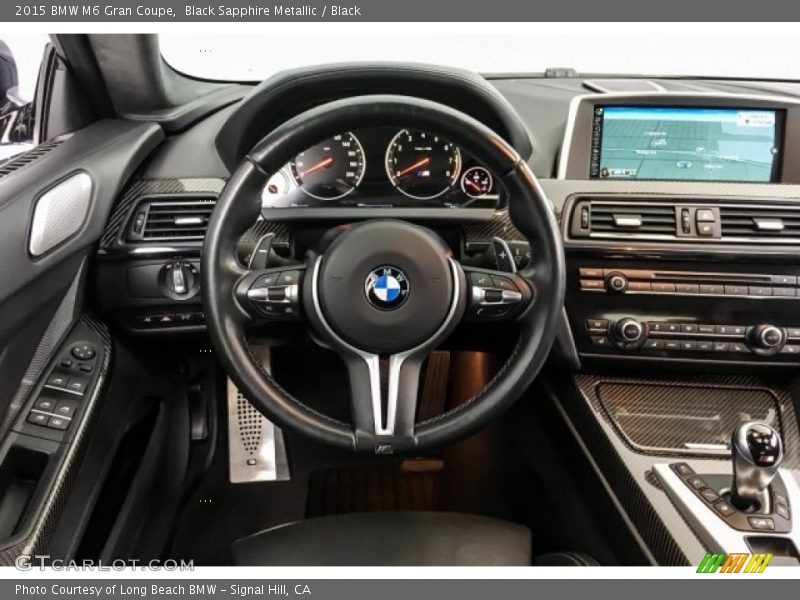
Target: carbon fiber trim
{"type": "Point", "coordinates": [44, 528]}
{"type": "Point", "coordinates": [628, 471]}
{"type": "Point", "coordinates": [500, 226]}
{"type": "Point", "coordinates": [144, 187]}
{"type": "Point", "coordinates": [682, 419]}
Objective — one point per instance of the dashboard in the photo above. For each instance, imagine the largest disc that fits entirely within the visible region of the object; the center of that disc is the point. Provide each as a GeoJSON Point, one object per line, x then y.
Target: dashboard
{"type": "Point", "coordinates": [680, 214]}
{"type": "Point", "coordinates": [382, 167]}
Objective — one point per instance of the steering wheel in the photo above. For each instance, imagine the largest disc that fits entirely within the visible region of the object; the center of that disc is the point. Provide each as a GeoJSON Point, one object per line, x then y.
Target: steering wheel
{"type": "Point", "coordinates": [383, 293]}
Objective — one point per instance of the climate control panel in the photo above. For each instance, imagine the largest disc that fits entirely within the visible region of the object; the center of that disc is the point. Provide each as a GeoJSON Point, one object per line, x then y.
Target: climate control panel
{"type": "Point", "coordinates": [629, 334]}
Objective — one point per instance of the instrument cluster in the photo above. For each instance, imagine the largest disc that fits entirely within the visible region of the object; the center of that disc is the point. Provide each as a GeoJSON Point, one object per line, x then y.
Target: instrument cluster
{"type": "Point", "coordinates": [382, 167]}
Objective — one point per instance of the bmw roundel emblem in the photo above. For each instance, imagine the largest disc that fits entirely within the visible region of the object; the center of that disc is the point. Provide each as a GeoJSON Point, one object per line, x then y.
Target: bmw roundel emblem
{"type": "Point", "coordinates": [386, 288]}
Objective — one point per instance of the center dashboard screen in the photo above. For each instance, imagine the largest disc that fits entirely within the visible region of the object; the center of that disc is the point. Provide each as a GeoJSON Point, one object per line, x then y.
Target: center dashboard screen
{"type": "Point", "coordinates": [685, 143]}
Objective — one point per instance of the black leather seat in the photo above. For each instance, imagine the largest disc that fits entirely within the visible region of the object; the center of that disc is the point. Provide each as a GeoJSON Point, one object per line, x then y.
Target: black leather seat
{"type": "Point", "coordinates": [395, 539]}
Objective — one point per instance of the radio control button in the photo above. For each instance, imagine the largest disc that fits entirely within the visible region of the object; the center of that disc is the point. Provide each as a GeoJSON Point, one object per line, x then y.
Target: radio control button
{"type": "Point", "coordinates": [689, 328]}
{"type": "Point", "coordinates": [662, 287]}
{"type": "Point", "coordinates": [590, 273]}
{"type": "Point", "coordinates": [784, 292]}
{"type": "Point", "coordinates": [760, 290]}
{"type": "Point", "coordinates": [784, 279]}
{"type": "Point", "coordinates": [717, 290]}
{"type": "Point", "coordinates": [705, 346]}
{"type": "Point", "coordinates": [671, 327]}
{"type": "Point", "coordinates": [639, 286]}
{"type": "Point", "coordinates": [687, 345]}
{"type": "Point", "coordinates": [687, 288]}
{"type": "Point", "coordinates": [794, 332]}
{"type": "Point", "coordinates": [617, 282]}
{"type": "Point", "coordinates": [736, 290]}
{"type": "Point", "coordinates": [790, 349]}
{"type": "Point", "coordinates": [592, 284]}
{"type": "Point", "coordinates": [671, 345]}
{"type": "Point", "coordinates": [597, 324]}
{"type": "Point", "coordinates": [706, 329]}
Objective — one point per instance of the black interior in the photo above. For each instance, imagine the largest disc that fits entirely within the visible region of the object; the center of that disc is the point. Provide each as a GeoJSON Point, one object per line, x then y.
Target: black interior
{"type": "Point", "coordinates": [538, 425]}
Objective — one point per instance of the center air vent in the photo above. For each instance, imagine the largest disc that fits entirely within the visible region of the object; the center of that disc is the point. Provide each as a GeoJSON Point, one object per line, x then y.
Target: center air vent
{"type": "Point", "coordinates": [760, 223]}
{"type": "Point", "coordinates": [595, 218]}
{"type": "Point", "coordinates": [174, 220]}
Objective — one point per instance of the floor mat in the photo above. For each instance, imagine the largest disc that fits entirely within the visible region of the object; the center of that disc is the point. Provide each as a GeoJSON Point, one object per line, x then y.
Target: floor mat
{"type": "Point", "coordinates": [336, 491]}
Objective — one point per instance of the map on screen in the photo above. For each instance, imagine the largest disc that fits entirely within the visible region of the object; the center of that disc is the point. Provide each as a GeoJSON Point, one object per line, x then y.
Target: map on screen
{"type": "Point", "coordinates": [692, 144]}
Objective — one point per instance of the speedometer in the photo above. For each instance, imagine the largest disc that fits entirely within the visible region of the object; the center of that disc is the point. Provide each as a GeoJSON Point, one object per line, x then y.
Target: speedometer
{"type": "Point", "coordinates": [422, 165]}
{"type": "Point", "coordinates": [331, 169]}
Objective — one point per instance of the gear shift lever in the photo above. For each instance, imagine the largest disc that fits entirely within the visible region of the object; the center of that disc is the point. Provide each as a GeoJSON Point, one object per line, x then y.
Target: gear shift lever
{"type": "Point", "coordinates": [757, 451]}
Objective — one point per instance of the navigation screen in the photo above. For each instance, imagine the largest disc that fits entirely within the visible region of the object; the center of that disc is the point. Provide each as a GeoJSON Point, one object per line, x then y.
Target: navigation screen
{"type": "Point", "coordinates": [692, 144]}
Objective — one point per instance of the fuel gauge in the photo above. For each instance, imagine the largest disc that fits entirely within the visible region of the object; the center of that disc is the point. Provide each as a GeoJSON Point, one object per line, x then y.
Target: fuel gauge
{"type": "Point", "coordinates": [476, 182]}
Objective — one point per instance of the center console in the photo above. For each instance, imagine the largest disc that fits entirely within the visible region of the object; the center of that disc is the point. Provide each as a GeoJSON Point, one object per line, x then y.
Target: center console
{"type": "Point", "coordinates": [681, 222]}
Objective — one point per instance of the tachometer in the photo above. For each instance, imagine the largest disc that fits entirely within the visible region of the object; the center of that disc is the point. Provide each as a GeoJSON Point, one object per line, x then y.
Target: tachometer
{"type": "Point", "coordinates": [331, 169]}
{"type": "Point", "coordinates": [422, 165]}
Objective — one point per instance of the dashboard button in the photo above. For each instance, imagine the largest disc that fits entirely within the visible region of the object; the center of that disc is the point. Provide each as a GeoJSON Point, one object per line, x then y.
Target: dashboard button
{"type": "Point", "coordinates": [784, 292]}
{"type": "Point", "coordinates": [597, 324]}
{"type": "Point", "coordinates": [717, 290]}
{"type": "Point", "coordinates": [592, 284]}
{"type": "Point", "coordinates": [784, 279]}
{"type": "Point", "coordinates": [762, 523]}
{"type": "Point", "coordinates": [736, 290]}
{"type": "Point", "coordinates": [590, 273]}
{"type": "Point", "coordinates": [77, 385]}
{"type": "Point", "coordinates": [705, 215]}
{"type": "Point", "coordinates": [706, 329]}
{"type": "Point", "coordinates": [697, 483]}
{"type": "Point", "coordinates": [662, 287]}
{"type": "Point", "coordinates": [653, 344]}
{"type": "Point", "coordinates": [709, 495]}
{"type": "Point", "coordinates": [687, 345]}
{"type": "Point", "coordinates": [639, 286]}
{"type": "Point", "coordinates": [66, 408]}
{"type": "Point", "coordinates": [671, 327]}
{"type": "Point", "coordinates": [656, 326]}
{"type": "Point", "coordinates": [705, 229]}
{"type": "Point", "coordinates": [790, 349]}
{"type": "Point", "coordinates": [705, 346]}
{"type": "Point", "coordinates": [760, 290]}
{"type": "Point", "coordinates": [722, 347]}
{"type": "Point", "coordinates": [671, 345]}
{"type": "Point", "coordinates": [683, 469]}
{"type": "Point", "coordinates": [724, 508]}
{"type": "Point", "coordinates": [600, 340]}
{"type": "Point", "coordinates": [738, 347]}
{"type": "Point", "coordinates": [687, 288]}
{"type": "Point", "coordinates": [794, 332]}
{"type": "Point", "coordinates": [689, 328]}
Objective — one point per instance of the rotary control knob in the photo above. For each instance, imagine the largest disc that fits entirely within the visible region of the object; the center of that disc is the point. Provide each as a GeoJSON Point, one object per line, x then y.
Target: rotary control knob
{"type": "Point", "coordinates": [179, 279]}
{"type": "Point", "coordinates": [629, 330]}
{"type": "Point", "coordinates": [766, 339]}
{"type": "Point", "coordinates": [617, 282]}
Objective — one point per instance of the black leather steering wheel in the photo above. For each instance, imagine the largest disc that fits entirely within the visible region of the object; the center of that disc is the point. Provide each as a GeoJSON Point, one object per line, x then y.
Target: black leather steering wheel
{"type": "Point", "coordinates": [383, 336]}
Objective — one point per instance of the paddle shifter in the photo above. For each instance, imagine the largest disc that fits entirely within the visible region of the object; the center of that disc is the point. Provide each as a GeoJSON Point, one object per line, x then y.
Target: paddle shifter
{"type": "Point", "coordinates": [757, 452]}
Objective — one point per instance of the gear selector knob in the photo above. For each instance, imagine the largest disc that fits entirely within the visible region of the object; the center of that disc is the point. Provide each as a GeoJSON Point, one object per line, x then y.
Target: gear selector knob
{"type": "Point", "coordinates": [757, 452]}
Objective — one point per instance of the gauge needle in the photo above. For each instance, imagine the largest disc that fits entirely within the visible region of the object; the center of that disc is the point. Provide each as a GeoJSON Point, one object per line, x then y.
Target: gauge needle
{"type": "Point", "coordinates": [320, 165]}
{"type": "Point", "coordinates": [473, 185]}
{"type": "Point", "coordinates": [414, 167]}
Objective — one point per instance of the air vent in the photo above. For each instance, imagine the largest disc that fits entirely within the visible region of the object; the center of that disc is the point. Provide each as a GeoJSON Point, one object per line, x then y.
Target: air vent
{"type": "Point", "coordinates": [174, 220]}
{"type": "Point", "coordinates": [597, 218]}
{"type": "Point", "coordinates": [760, 223]}
{"type": "Point", "coordinates": [28, 157]}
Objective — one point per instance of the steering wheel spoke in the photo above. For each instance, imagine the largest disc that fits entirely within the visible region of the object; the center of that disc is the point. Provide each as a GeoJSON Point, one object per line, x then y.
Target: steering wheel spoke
{"type": "Point", "coordinates": [384, 395]}
{"type": "Point", "coordinates": [272, 294]}
{"type": "Point", "coordinates": [497, 295]}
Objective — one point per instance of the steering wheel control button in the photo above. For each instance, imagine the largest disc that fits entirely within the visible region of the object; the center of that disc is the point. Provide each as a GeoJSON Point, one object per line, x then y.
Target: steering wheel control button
{"type": "Point", "coordinates": [83, 351]}
{"type": "Point", "coordinates": [386, 288]}
{"type": "Point", "coordinates": [493, 296]}
{"type": "Point", "coordinates": [276, 295]}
